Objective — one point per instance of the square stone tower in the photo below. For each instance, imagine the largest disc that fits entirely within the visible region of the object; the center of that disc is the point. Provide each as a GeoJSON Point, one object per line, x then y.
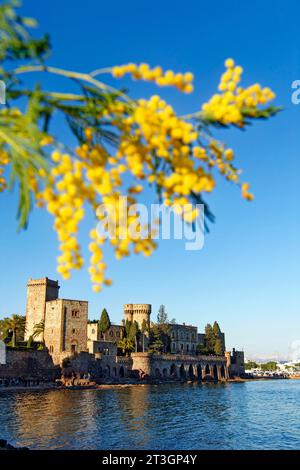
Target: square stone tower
{"type": "Point", "coordinates": [39, 291]}
{"type": "Point", "coordinates": [65, 327]}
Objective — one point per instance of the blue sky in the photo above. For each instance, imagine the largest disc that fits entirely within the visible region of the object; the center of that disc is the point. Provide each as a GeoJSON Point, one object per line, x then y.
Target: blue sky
{"type": "Point", "coordinates": [247, 274]}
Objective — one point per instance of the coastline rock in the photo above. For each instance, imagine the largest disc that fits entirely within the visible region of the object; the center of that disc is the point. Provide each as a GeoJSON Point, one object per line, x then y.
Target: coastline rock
{"type": "Point", "coordinates": [4, 445]}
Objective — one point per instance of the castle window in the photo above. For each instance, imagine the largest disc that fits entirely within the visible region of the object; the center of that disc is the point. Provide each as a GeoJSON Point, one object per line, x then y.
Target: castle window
{"type": "Point", "coordinates": [51, 349]}
{"type": "Point", "coordinates": [111, 333]}
{"type": "Point", "coordinates": [118, 334]}
{"type": "Point", "coordinates": [74, 331]}
{"type": "Point", "coordinates": [93, 331]}
{"type": "Point", "coordinates": [75, 313]}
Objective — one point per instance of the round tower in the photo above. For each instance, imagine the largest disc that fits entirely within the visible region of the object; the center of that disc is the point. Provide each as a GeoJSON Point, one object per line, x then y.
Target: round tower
{"type": "Point", "coordinates": [138, 313]}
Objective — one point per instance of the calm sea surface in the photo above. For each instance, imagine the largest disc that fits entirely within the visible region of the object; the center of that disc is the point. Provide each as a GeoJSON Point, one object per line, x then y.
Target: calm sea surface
{"type": "Point", "coordinates": [251, 415]}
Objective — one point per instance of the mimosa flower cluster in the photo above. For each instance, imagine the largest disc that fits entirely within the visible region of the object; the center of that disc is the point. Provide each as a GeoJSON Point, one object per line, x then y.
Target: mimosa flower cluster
{"type": "Point", "coordinates": [234, 103]}
{"type": "Point", "coordinates": [152, 147]}
{"type": "Point", "coordinates": [182, 81]}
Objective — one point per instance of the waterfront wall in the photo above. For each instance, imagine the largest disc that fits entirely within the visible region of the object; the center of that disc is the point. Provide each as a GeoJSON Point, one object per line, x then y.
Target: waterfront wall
{"type": "Point", "coordinates": [39, 365]}
{"type": "Point", "coordinates": [100, 366]}
{"type": "Point", "coordinates": [29, 364]}
{"type": "Point", "coordinates": [180, 366]}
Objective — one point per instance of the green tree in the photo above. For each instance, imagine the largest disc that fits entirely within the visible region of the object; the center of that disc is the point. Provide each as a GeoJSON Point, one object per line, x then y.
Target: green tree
{"type": "Point", "coordinates": [3, 330]}
{"type": "Point", "coordinates": [133, 332]}
{"type": "Point", "coordinates": [160, 338]}
{"type": "Point", "coordinates": [251, 365]}
{"type": "Point", "coordinates": [209, 338]}
{"type": "Point", "coordinates": [156, 344]}
{"type": "Point", "coordinates": [216, 329]}
{"type": "Point", "coordinates": [144, 329]}
{"type": "Point", "coordinates": [127, 345]}
{"type": "Point", "coordinates": [30, 342]}
{"type": "Point", "coordinates": [202, 349]}
{"type": "Point", "coordinates": [218, 348]}
{"type": "Point", "coordinates": [162, 316]}
{"type": "Point", "coordinates": [104, 322]}
{"type": "Point", "coordinates": [271, 365]}
{"type": "Point", "coordinates": [213, 339]}
{"type": "Point", "coordinates": [17, 325]}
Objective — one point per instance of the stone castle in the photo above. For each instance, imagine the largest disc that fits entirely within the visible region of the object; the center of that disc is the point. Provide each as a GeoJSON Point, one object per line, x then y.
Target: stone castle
{"type": "Point", "coordinates": [67, 332]}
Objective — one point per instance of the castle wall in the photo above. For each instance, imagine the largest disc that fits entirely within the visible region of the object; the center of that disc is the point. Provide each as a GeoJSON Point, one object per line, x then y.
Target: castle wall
{"type": "Point", "coordinates": [180, 366]}
{"type": "Point", "coordinates": [106, 348]}
{"type": "Point", "coordinates": [103, 367]}
{"type": "Point", "coordinates": [29, 364]}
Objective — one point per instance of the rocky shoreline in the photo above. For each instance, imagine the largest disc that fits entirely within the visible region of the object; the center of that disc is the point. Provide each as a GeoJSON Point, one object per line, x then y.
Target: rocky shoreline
{"type": "Point", "coordinates": [4, 445]}
{"type": "Point", "coordinates": [85, 385]}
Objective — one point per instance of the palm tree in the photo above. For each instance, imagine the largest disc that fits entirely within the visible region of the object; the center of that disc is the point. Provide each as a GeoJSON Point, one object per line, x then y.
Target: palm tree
{"type": "Point", "coordinates": [126, 344]}
{"type": "Point", "coordinates": [39, 329]}
{"type": "Point", "coordinates": [17, 325]}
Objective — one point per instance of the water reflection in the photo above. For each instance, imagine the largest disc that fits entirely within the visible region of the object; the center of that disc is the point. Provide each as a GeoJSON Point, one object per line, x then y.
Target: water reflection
{"type": "Point", "coordinates": [177, 416]}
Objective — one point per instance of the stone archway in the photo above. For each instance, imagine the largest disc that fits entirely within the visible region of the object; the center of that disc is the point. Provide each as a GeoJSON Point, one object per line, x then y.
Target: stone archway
{"type": "Point", "coordinates": [207, 369]}
{"type": "Point", "coordinates": [165, 373]}
{"type": "Point", "coordinates": [182, 372]}
{"type": "Point", "coordinates": [191, 372]}
{"type": "Point", "coordinates": [199, 372]}
{"type": "Point", "coordinates": [157, 373]}
{"type": "Point", "coordinates": [107, 371]}
{"type": "Point", "coordinates": [173, 371]}
{"type": "Point", "coordinates": [223, 372]}
{"type": "Point", "coordinates": [215, 372]}
{"type": "Point", "coordinates": [115, 372]}
{"type": "Point", "coordinates": [121, 372]}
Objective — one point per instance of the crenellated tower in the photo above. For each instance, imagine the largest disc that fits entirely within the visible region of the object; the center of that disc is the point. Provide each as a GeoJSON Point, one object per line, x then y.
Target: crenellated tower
{"type": "Point", "coordinates": [138, 313]}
